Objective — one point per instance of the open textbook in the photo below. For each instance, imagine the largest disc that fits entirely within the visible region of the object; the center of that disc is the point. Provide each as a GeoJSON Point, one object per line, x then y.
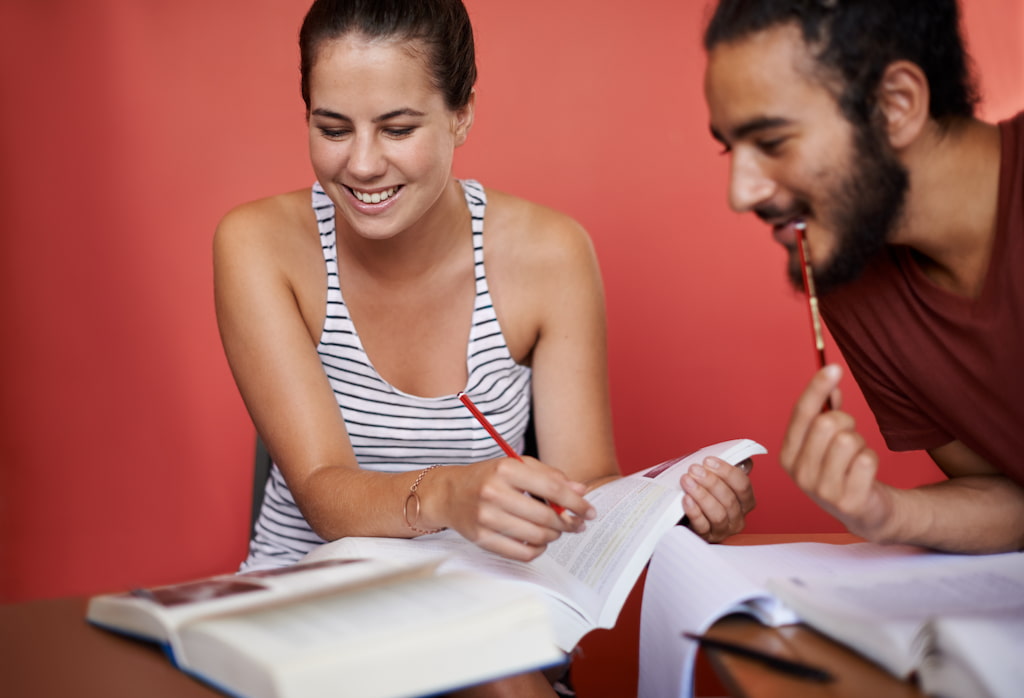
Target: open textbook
{"type": "Point", "coordinates": [954, 622]}
{"type": "Point", "coordinates": [587, 576]}
{"type": "Point", "coordinates": [368, 628]}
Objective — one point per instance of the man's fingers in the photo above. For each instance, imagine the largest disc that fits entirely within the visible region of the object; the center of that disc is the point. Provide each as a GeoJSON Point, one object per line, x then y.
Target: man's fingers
{"type": "Point", "coordinates": [808, 406]}
{"type": "Point", "coordinates": [842, 449]}
{"type": "Point", "coordinates": [828, 433]}
{"type": "Point", "coordinates": [860, 481]}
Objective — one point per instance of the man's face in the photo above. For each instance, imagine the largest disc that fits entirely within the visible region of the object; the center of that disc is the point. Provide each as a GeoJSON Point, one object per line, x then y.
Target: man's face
{"type": "Point", "coordinates": [795, 156]}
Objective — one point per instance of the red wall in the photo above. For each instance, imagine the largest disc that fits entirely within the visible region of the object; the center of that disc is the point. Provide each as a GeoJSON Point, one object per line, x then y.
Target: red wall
{"type": "Point", "coordinates": [127, 129]}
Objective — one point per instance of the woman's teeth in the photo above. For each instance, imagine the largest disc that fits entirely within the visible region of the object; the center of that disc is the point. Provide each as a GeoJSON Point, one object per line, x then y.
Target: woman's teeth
{"type": "Point", "coordinates": [376, 197]}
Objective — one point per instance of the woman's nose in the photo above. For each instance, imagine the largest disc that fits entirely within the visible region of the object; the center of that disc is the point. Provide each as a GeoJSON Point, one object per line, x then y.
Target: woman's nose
{"type": "Point", "coordinates": [366, 158]}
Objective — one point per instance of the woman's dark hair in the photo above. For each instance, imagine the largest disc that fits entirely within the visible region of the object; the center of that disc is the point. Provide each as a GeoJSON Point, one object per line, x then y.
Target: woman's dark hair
{"type": "Point", "coordinates": [442, 26]}
{"type": "Point", "coordinates": [856, 39]}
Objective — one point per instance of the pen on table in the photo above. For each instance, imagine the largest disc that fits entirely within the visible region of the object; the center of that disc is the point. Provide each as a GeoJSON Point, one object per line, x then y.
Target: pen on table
{"type": "Point", "coordinates": [509, 451]}
{"type": "Point", "coordinates": [786, 666]}
{"type": "Point", "coordinates": [812, 297]}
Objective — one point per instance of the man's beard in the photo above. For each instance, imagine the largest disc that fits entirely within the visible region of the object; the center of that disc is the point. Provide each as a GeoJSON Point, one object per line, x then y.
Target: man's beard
{"type": "Point", "coordinates": [867, 205]}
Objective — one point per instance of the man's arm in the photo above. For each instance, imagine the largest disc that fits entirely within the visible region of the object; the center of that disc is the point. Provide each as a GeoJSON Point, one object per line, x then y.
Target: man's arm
{"type": "Point", "coordinates": [977, 510]}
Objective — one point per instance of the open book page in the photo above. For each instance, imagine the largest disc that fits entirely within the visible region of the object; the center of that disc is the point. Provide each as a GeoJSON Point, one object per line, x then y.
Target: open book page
{"type": "Point", "coordinates": [764, 562]}
{"type": "Point", "coordinates": [733, 451]}
{"type": "Point", "coordinates": [153, 614]}
{"type": "Point", "coordinates": [881, 613]}
{"type": "Point", "coordinates": [691, 584]}
{"type": "Point", "coordinates": [314, 646]}
{"type": "Point", "coordinates": [688, 587]}
{"type": "Point", "coordinates": [633, 513]}
{"type": "Point", "coordinates": [607, 559]}
{"type": "Point", "coordinates": [587, 575]}
{"type": "Point", "coordinates": [974, 657]}
{"type": "Point", "coordinates": [570, 603]}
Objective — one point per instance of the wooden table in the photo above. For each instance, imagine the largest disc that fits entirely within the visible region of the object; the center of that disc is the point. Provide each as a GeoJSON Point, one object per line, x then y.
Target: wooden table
{"type": "Point", "coordinates": [48, 650]}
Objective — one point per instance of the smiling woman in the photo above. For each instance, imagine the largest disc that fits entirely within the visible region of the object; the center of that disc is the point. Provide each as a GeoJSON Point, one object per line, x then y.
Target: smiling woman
{"type": "Point", "coordinates": [348, 311]}
{"type": "Point", "coordinates": [373, 287]}
{"type": "Point", "coordinates": [354, 313]}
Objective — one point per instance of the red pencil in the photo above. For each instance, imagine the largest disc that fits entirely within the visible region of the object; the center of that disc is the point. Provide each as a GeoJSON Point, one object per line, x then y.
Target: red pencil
{"type": "Point", "coordinates": [500, 441]}
{"type": "Point", "coordinates": [812, 297]}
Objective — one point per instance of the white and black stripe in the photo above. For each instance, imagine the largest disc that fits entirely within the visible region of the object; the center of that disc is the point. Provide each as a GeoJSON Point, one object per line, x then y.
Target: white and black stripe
{"type": "Point", "coordinates": [391, 430]}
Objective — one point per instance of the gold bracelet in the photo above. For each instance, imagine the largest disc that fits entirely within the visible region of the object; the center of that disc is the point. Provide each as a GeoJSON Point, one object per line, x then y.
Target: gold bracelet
{"type": "Point", "coordinates": [415, 497]}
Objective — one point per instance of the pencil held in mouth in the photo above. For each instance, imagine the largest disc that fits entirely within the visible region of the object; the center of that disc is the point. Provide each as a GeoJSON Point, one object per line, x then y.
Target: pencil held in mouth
{"type": "Point", "coordinates": [812, 296]}
{"type": "Point", "coordinates": [558, 509]}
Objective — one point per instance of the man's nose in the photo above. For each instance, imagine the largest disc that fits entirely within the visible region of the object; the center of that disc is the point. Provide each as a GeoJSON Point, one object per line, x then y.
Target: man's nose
{"type": "Point", "coordinates": [749, 184]}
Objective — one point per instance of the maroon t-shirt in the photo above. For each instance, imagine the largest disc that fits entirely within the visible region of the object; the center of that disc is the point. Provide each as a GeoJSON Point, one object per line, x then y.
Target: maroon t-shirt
{"type": "Point", "coordinates": [934, 366]}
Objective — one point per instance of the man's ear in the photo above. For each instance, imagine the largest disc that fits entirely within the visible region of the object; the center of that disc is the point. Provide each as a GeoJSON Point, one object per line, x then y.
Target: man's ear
{"type": "Point", "coordinates": [903, 99]}
{"type": "Point", "coordinates": [464, 119]}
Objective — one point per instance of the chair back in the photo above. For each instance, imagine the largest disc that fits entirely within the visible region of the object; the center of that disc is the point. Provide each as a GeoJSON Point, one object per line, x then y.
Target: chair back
{"type": "Point", "coordinates": [261, 471]}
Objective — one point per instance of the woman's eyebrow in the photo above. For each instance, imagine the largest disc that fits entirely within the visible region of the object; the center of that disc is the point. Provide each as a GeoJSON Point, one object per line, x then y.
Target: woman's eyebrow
{"type": "Point", "coordinates": [320, 111]}
{"type": "Point", "coordinates": [405, 111]}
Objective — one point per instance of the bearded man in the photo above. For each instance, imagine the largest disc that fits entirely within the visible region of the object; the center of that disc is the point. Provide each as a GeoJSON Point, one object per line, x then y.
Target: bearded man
{"type": "Point", "coordinates": [855, 119]}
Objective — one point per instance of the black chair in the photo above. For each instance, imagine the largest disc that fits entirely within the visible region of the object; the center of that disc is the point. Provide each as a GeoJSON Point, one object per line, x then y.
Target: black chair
{"type": "Point", "coordinates": [261, 472]}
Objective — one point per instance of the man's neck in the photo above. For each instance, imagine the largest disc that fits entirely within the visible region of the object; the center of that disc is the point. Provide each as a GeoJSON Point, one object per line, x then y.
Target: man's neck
{"type": "Point", "coordinates": [950, 214]}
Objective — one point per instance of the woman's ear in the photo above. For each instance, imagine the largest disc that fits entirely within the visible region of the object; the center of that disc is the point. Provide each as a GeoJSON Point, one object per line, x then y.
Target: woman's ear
{"type": "Point", "coordinates": [464, 119]}
{"type": "Point", "coordinates": [903, 100]}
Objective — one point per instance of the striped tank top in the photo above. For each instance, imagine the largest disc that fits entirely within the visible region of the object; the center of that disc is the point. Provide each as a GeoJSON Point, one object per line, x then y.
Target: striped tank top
{"type": "Point", "coordinates": [390, 430]}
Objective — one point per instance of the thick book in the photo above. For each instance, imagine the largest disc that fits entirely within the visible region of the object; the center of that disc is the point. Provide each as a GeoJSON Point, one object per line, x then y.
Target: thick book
{"type": "Point", "coordinates": [955, 624]}
{"type": "Point", "coordinates": [584, 577]}
{"type": "Point", "coordinates": [354, 627]}
{"type": "Point", "coordinates": [949, 622]}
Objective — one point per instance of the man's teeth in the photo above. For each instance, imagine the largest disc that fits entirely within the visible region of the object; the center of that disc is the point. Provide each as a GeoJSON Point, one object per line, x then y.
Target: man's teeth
{"type": "Point", "coordinates": [376, 197]}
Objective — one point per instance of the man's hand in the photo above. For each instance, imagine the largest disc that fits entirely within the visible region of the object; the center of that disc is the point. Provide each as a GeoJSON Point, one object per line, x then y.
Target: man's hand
{"type": "Point", "coordinates": [830, 461]}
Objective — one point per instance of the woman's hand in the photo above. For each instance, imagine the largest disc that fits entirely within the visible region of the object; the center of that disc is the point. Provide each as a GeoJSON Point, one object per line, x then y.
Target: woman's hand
{"type": "Point", "coordinates": [489, 503]}
{"type": "Point", "coordinates": [717, 496]}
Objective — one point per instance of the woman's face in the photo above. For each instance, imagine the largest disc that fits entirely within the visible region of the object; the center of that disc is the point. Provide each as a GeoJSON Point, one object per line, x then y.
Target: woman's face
{"type": "Point", "coordinates": [381, 138]}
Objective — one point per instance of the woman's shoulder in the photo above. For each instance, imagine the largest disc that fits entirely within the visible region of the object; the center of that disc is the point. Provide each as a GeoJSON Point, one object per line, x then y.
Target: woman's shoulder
{"type": "Point", "coordinates": [515, 220]}
{"type": "Point", "coordinates": [274, 233]}
{"type": "Point", "coordinates": [533, 246]}
{"type": "Point", "coordinates": [269, 215]}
